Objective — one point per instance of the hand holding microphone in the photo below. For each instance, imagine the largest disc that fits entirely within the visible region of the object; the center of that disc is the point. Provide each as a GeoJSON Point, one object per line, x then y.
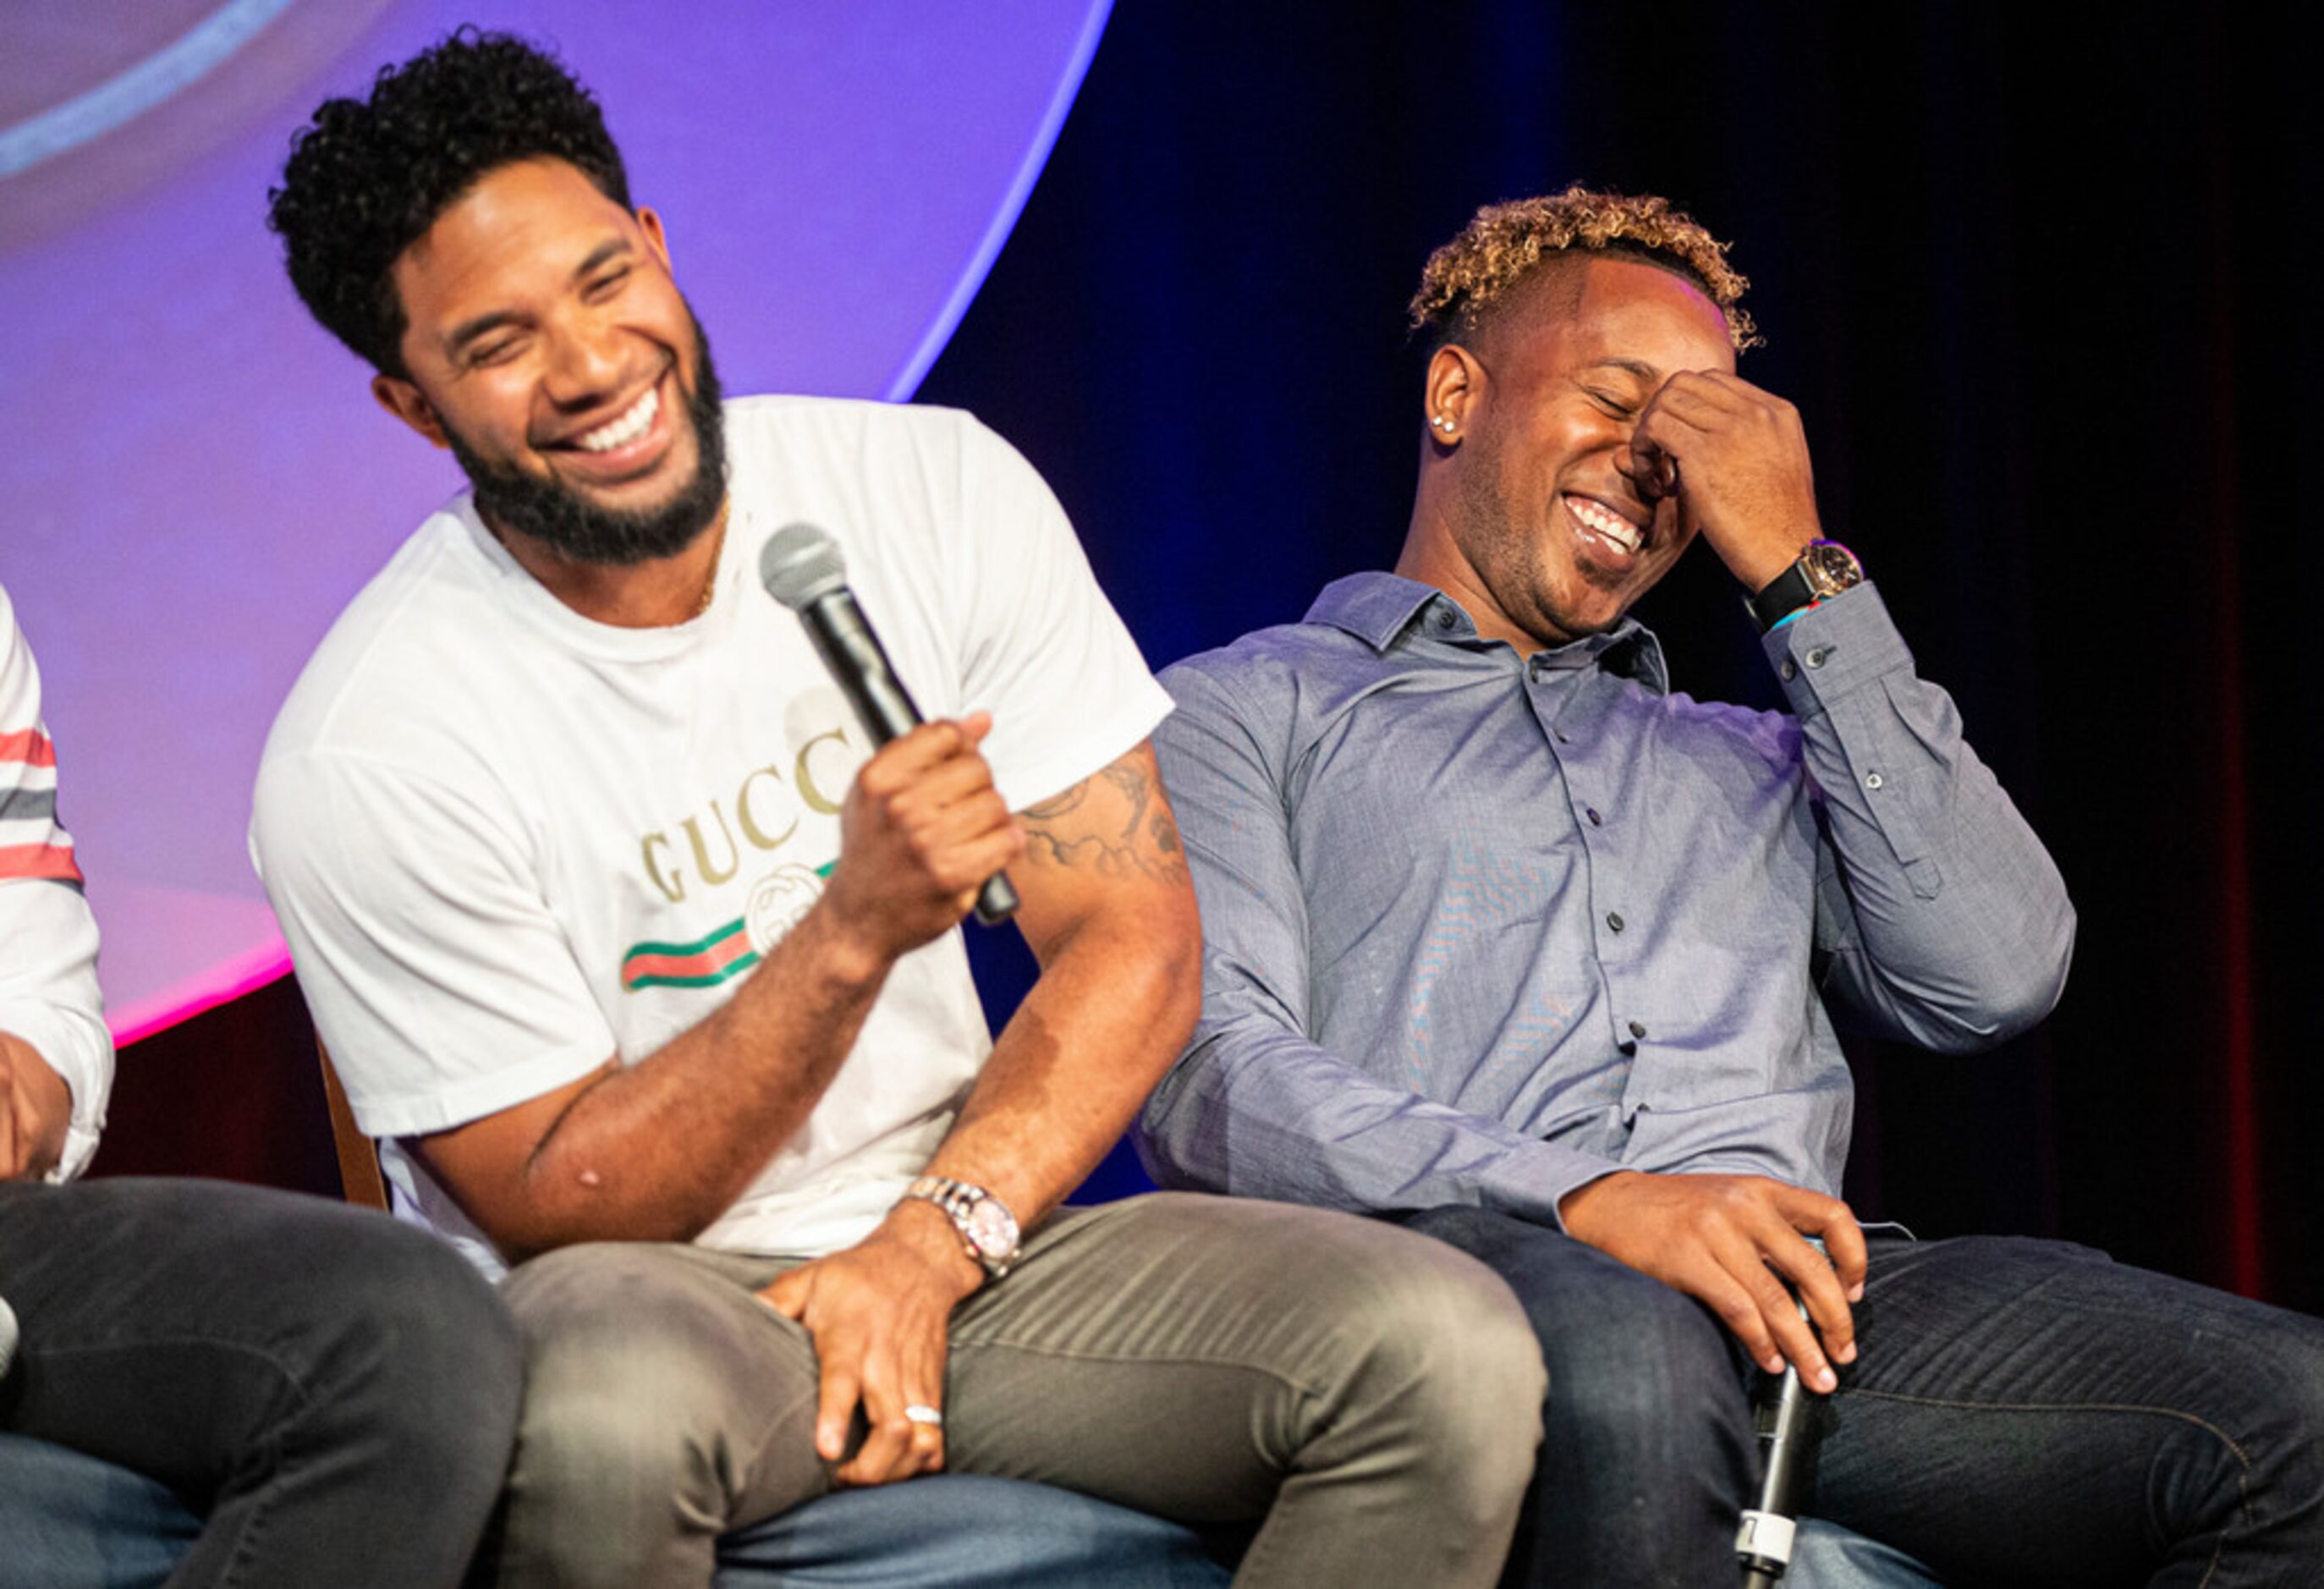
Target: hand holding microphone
{"type": "Point", "coordinates": [801, 567]}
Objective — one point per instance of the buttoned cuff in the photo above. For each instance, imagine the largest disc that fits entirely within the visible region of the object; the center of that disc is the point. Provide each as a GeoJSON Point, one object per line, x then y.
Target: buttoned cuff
{"type": "Point", "coordinates": [1834, 646]}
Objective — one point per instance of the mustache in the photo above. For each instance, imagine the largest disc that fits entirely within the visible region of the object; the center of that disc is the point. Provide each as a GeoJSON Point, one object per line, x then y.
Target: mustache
{"type": "Point", "coordinates": [556, 514]}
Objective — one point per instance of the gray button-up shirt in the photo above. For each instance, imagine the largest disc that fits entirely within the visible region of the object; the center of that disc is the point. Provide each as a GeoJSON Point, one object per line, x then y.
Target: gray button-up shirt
{"type": "Point", "coordinates": [1481, 927]}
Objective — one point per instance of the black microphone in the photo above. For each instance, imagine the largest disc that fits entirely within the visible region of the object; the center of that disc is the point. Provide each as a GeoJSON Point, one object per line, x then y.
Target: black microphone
{"type": "Point", "coordinates": [7, 1336]}
{"type": "Point", "coordinates": [1763, 1544]}
{"type": "Point", "coordinates": [801, 567]}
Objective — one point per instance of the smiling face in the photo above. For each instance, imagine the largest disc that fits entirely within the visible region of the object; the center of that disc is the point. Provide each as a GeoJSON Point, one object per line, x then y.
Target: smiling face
{"type": "Point", "coordinates": [549, 349]}
{"type": "Point", "coordinates": [1531, 526]}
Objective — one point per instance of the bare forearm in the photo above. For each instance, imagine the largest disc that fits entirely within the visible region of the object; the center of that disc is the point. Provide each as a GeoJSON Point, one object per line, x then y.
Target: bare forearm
{"type": "Point", "coordinates": [1109, 908]}
{"type": "Point", "coordinates": [37, 1107]}
{"type": "Point", "coordinates": [1106, 905]}
{"type": "Point", "coordinates": [657, 1149]}
{"type": "Point", "coordinates": [1113, 1008]}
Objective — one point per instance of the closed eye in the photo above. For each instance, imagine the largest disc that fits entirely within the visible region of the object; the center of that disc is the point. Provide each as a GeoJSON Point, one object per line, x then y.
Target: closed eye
{"type": "Point", "coordinates": [498, 351]}
{"type": "Point", "coordinates": [605, 286]}
{"type": "Point", "coordinates": [1609, 402]}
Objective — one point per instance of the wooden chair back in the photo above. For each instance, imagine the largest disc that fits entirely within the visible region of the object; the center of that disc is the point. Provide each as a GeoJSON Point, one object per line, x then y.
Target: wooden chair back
{"type": "Point", "coordinates": [359, 1172]}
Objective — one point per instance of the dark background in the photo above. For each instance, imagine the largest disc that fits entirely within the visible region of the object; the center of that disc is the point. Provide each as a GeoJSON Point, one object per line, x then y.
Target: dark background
{"type": "Point", "coordinates": [2043, 289]}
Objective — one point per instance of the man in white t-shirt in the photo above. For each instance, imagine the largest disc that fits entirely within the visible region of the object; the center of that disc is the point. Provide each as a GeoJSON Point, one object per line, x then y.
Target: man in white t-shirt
{"type": "Point", "coordinates": [645, 968]}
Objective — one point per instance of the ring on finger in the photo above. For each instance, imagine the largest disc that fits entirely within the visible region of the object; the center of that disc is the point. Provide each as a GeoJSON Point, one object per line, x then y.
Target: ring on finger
{"type": "Point", "coordinates": [920, 1412]}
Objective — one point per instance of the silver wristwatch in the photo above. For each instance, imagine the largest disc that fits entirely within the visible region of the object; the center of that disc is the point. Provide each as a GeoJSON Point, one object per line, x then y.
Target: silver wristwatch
{"type": "Point", "coordinates": [987, 1229]}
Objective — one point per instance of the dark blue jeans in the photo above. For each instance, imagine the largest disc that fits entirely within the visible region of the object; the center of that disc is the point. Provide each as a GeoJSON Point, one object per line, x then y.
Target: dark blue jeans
{"type": "Point", "coordinates": [336, 1392]}
{"type": "Point", "coordinates": [2019, 1412]}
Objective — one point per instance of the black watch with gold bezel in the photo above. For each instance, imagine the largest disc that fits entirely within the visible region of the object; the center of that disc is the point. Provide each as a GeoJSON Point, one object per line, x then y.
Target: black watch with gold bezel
{"type": "Point", "coordinates": [1823, 570]}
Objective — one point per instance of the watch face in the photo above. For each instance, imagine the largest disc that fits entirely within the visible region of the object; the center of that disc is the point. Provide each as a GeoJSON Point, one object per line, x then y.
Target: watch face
{"type": "Point", "coordinates": [1831, 567]}
{"type": "Point", "coordinates": [992, 1227]}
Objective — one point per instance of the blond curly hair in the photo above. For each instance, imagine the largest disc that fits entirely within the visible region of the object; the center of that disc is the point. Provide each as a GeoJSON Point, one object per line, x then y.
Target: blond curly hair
{"type": "Point", "coordinates": [1504, 244]}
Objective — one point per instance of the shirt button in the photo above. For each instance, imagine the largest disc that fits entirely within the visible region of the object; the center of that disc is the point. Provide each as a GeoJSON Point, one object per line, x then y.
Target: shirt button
{"type": "Point", "coordinates": [1533, 670]}
{"type": "Point", "coordinates": [1443, 619]}
{"type": "Point", "coordinates": [1872, 780]}
{"type": "Point", "coordinates": [1637, 1029]}
{"type": "Point", "coordinates": [1595, 819]}
{"type": "Point", "coordinates": [1562, 736]}
{"type": "Point", "coordinates": [1817, 657]}
{"type": "Point", "coordinates": [1614, 920]}
{"type": "Point", "coordinates": [1790, 669]}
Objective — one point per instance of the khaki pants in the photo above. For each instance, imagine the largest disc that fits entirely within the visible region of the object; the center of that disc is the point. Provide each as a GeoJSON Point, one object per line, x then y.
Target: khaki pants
{"type": "Point", "coordinates": [1372, 1395]}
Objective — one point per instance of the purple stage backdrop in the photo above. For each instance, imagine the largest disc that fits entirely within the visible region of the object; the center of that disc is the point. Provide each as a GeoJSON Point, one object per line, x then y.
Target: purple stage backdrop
{"type": "Point", "coordinates": [197, 479]}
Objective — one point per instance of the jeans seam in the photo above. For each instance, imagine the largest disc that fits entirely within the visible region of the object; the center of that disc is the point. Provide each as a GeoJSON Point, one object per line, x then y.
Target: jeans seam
{"type": "Point", "coordinates": [2243, 1461]}
{"type": "Point", "coordinates": [245, 1546]}
{"type": "Point", "coordinates": [290, 1375]}
{"type": "Point", "coordinates": [2211, 1567]}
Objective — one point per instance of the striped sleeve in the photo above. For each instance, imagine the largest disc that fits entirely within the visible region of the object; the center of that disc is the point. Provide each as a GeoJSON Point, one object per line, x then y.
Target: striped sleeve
{"type": "Point", "coordinates": [48, 968]}
{"type": "Point", "coordinates": [31, 844]}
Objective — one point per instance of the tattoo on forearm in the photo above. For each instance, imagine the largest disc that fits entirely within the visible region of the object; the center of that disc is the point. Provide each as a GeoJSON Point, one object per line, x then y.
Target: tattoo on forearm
{"type": "Point", "coordinates": [1057, 805]}
{"type": "Point", "coordinates": [1146, 841]}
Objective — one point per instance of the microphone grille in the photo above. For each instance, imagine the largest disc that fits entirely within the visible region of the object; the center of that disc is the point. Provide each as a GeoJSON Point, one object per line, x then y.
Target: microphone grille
{"type": "Point", "coordinates": [800, 563]}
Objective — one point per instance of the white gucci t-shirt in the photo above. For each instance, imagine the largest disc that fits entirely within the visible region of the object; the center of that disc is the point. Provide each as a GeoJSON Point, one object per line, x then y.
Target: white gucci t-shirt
{"type": "Point", "coordinates": [506, 841]}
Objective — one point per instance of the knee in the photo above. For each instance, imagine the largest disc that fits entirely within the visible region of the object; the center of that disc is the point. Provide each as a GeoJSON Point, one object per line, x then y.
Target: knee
{"type": "Point", "coordinates": [1634, 1366]}
{"type": "Point", "coordinates": [631, 1389]}
{"type": "Point", "coordinates": [1654, 1361]}
{"type": "Point", "coordinates": [417, 1350]}
{"type": "Point", "coordinates": [2277, 1361]}
{"type": "Point", "coordinates": [1440, 1348]}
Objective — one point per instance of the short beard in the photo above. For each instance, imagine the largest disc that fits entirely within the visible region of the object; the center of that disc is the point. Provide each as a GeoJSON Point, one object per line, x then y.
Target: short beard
{"type": "Point", "coordinates": [553, 514]}
{"type": "Point", "coordinates": [1510, 565]}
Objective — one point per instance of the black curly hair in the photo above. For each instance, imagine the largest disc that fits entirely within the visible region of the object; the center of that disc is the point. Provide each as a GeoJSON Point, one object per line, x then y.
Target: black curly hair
{"type": "Point", "coordinates": [367, 178]}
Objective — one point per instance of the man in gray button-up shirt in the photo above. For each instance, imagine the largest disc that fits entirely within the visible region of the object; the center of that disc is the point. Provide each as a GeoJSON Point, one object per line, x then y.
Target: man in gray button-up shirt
{"type": "Point", "coordinates": [1509, 942]}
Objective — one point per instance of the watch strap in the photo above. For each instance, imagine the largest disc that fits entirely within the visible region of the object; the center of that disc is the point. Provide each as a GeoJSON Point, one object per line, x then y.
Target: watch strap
{"type": "Point", "coordinates": [1785, 594]}
{"type": "Point", "coordinates": [1821, 572]}
{"type": "Point", "coordinates": [960, 1202]}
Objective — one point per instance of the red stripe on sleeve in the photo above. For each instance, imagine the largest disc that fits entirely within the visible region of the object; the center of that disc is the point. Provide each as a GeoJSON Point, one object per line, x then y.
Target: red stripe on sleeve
{"type": "Point", "coordinates": [28, 745]}
{"type": "Point", "coordinates": [54, 862]}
